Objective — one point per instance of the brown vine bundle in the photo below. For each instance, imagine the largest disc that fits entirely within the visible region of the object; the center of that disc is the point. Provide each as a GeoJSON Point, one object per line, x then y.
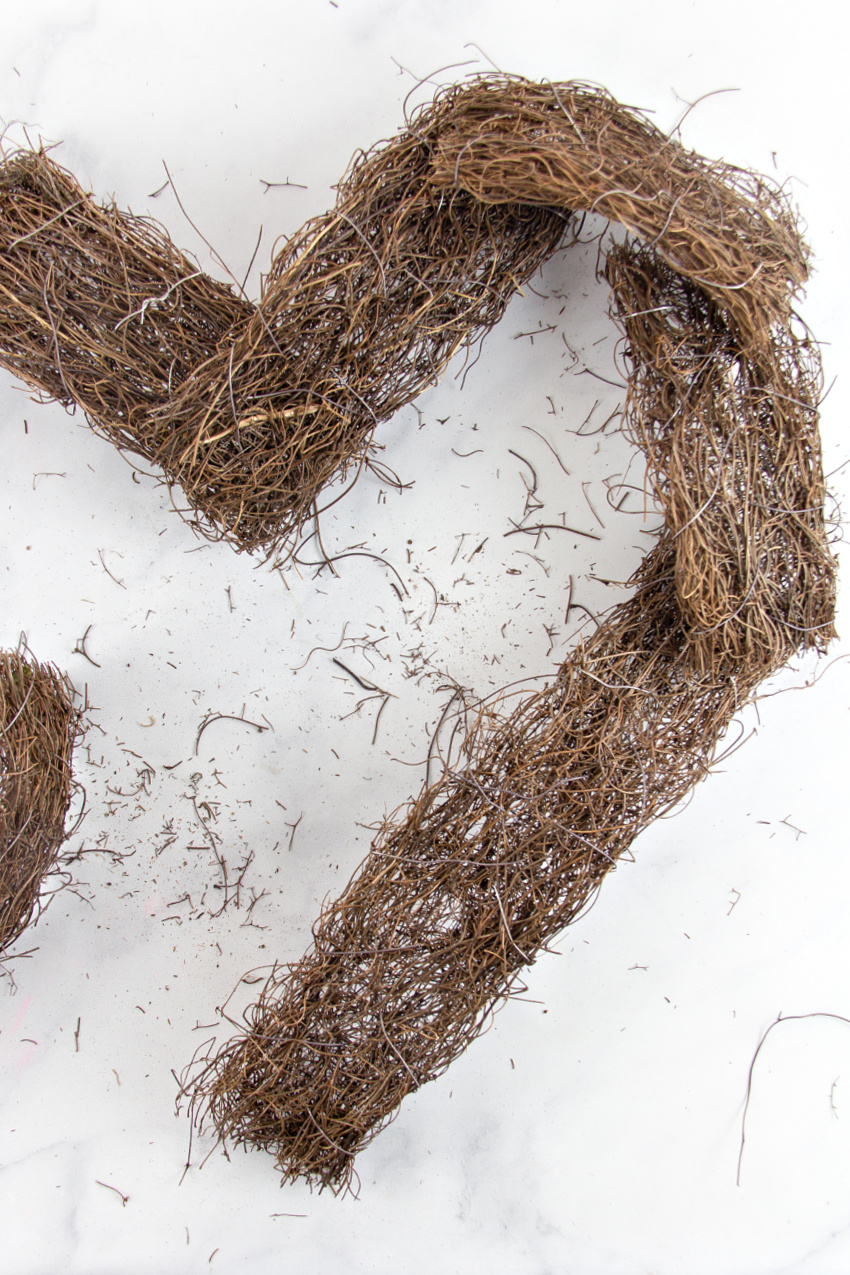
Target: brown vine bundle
{"type": "Point", "coordinates": [252, 411]}
{"type": "Point", "coordinates": [39, 726]}
{"type": "Point", "coordinates": [460, 892]}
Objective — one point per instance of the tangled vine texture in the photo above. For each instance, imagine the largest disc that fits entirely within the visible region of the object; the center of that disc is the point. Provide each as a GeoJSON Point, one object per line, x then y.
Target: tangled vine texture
{"type": "Point", "coordinates": [251, 410]}
{"type": "Point", "coordinates": [39, 727]}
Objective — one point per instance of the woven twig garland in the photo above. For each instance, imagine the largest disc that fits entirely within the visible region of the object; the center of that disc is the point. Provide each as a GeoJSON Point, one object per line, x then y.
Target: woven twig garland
{"type": "Point", "coordinates": [465, 887]}
{"type": "Point", "coordinates": [39, 726]}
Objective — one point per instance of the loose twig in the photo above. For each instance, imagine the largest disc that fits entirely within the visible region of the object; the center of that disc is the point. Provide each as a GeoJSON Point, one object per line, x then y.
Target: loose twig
{"type": "Point", "coordinates": [125, 1199]}
{"type": "Point", "coordinates": [225, 717]}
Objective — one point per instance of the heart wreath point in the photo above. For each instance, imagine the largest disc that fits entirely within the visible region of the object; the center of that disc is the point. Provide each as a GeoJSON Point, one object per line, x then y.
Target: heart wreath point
{"type": "Point", "coordinates": [251, 411]}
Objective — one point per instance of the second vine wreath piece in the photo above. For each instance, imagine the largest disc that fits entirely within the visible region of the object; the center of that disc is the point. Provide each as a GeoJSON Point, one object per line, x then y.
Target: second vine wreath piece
{"type": "Point", "coordinates": [39, 726]}
{"type": "Point", "coordinates": [462, 891]}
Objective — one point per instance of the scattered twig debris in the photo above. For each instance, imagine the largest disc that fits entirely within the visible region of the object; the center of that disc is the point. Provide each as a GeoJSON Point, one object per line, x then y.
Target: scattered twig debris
{"type": "Point", "coordinates": [125, 1199]}
{"type": "Point", "coordinates": [225, 717]}
{"type": "Point", "coordinates": [120, 583]}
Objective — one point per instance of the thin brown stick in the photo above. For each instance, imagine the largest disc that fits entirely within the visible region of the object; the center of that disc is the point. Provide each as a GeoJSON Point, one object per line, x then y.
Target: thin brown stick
{"type": "Point", "coordinates": [780, 1018]}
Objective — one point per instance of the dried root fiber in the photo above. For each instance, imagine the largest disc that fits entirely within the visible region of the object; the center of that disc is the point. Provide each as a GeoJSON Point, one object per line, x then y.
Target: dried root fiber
{"type": "Point", "coordinates": [463, 889]}
{"type": "Point", "coordinates": [39, 726]}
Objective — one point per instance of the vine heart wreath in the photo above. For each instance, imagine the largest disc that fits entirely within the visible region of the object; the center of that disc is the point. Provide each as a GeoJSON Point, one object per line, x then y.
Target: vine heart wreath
{"type": "Point", "coordinates": [250, 410]}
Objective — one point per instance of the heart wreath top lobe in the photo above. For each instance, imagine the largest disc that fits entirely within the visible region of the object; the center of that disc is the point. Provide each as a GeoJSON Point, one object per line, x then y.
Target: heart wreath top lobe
{"type": "Point", "coordinates": [251, 410]}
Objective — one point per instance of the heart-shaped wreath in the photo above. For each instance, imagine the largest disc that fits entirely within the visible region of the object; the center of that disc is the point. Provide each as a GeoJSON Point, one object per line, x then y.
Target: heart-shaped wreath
{"type": "Point", "coordinates": [251, 410]}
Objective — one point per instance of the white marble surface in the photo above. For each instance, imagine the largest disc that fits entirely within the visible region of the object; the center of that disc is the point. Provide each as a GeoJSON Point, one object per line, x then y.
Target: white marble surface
{"type": "Point", "coordinates": [595, 1130]}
